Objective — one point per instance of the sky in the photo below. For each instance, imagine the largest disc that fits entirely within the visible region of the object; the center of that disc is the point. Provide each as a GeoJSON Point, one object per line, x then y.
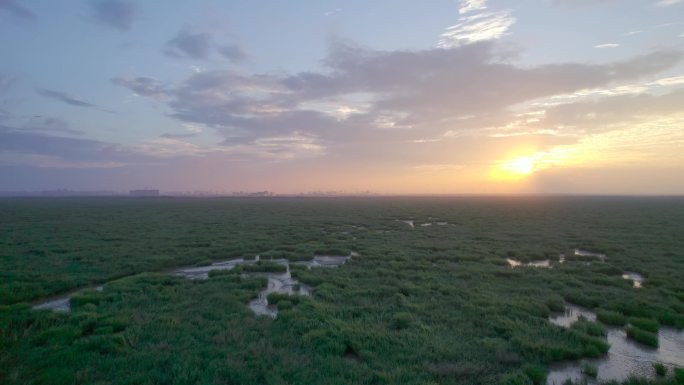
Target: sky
{"type": "Point", "coordinates": [388, 96]}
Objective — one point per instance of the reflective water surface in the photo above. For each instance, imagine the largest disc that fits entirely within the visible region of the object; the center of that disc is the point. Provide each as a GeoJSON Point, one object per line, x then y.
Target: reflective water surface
{"type": "Point", "coordinates": [60, 303]}
{"type": "Point", "coordinates": [636, 278]}
{"type": "Point", "coordinates": [515, 263]}
{"type": "Point", "coordinates": [277, 282]}
{"type": "Point", "coordinates": [625, 357]}
{"type": "Point", "coordinates": [584, 253]}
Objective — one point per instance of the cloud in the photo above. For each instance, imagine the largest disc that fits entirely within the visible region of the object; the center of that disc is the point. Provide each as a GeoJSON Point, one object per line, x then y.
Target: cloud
{"type": "Point", "coordinates": [476, 24]}
{"type": "Point", "coordinates": [472, 5]}
{"type": "Point", "coordinates": [165, 147]}
{"type": "Point", "coordinates": [19, 144]}
{"type": "Point", "coordinates": [396, 98]}
{"type": "Point", "coordinates": [332, 12]}
{"type": "Point", "coordinates": [69, 99]}
{"type": "Point", "coordinates": [189, 44]}
{"type": "Point", "coordinates": [667, 3]}
{"type": "Point", "coordinates": [581, 3]}
{"type": "Point", "coordinates": [233, 52]}
{"type": "Point", "coordinates": [191, 132]}
{"type": "Point", "coordinates": [576, 3]}
{"type": "Point", "coordinates": [607, 45]}
{"type": "Point", "coordinates": [38, 146]}
{"type": "Point", "coordinates": [117, 14]}
{"type": "Point", "coordinates": [142, 86]}
{"type": "Point", "coordinates": [628, 129]}
{"type": "Point", "coordinates": [601, 114]}
{"type": "Point", "coordinates": [185, 135]}
{"type": "Point", "coordinates": [64, 98]}
{"type": "Point", "coordinates": [11, 6]}
{"type": "Point", "coordinates": [50, 124]}
{"type": "Point", "coordinates": [292, 146]}
{"type": "Point", "coordinates": [47, 161]}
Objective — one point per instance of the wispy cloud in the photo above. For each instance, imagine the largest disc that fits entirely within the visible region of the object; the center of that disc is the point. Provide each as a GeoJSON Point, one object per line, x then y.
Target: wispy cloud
{"type": "Point", "coordinates": [49, 161]}
{"type": "Point", "coordinates": [191, 132]}
{"type": "Point", "coordinates": [185, 135]}
{"type": "Point", "coordinates": [607, 45]}
{"type": "Point", "coordinates": [581, 3]}
{"type": "Point", "coordinates": [476, 23]}
{"type": "Point", "coordinates": [406, 97]}
{"type": "Point", "coordinates": [69, 99]}
{"type": "Point", "coordinates": [50, 124]}
{"type": "Point", "coordinates": [190, 44]}
{"type": "Point", "coordinates": [332, 12]}
{"type": "Point", "coordinates": [472, 5]}
{"type": "Point", "coordinates": [198, 45]}
{"type": "Point", "coordinates": [64, 98]}
{"type": "Point", "coordinates": [653, 142]}
{"type": "Point", "coordinates": [35, 146]}
{"type": "Point", "coordinates": [16, 9]}
{"type": "Point", "coordinates": [233, 52]}
{"type": "Point", "coordinates": [143, 86]}
{"type": "Point", "coordinates": [666, 3]}
{"type": "Point", "coordinates": [652, 86]}
{"type": "Point", "coordinates": [600, 114]}
{"type": "Point", "coordinates": [118, 14]}
{"type": "Point", "coordinates": [41, 149]}
{"type": "Point", "coordinates": [166, 147]}
{"type": "Point", "coordinates": [291, 146]}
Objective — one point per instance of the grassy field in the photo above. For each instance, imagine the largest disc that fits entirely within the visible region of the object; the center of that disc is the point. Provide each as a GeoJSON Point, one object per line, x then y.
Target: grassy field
{"type": "Point", "coordinates": [434, 304]}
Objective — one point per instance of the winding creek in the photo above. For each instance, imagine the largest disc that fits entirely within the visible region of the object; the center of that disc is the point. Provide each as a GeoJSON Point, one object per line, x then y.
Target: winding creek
{"type": "Point", "coordinates": [515, 263]}
{"type": "Point", "coordinates": [584, 253]}
{"type": "Point", "coordinates": [625, 357]}
{"type": "Point", "coordinates": [277, 282]}
{"type": "Point", "coordinates": [636, 278]}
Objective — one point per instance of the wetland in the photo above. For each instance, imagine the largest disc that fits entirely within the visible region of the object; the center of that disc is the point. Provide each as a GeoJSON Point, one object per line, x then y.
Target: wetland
{"type": "Point", "coordinates": [508, 290]}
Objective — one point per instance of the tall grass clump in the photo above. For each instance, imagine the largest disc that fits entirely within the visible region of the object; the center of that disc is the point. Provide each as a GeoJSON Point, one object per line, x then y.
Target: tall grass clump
{"type": "Point", "coordinates": [647, 324]}
{"type": "Point", "coordinates": [642, 336]}
{"type": "Point", "coordinates": [611, 318]}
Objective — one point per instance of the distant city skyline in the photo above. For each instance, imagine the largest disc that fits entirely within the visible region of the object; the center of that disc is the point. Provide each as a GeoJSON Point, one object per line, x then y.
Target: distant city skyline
{"type": "Point", "coordinates": [389, 97]}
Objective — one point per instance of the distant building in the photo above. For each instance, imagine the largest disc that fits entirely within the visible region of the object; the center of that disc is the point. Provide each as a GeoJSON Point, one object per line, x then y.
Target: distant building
{"type": "Point", "coordinates": [144, 193]}
{"type": "Point", "coordinates": [260, 194]}
{"type": "Point", "coordinates": [257, 194]}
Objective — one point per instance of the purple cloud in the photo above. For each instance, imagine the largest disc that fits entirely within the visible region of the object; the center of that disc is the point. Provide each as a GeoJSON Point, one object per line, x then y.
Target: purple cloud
{"type": "Point", "coordinates": [189, 44]}
{"type": "Point", "coordinates": [117, 14]}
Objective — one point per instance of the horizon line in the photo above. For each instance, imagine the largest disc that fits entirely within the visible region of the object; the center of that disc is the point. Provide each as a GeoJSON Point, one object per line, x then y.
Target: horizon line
{"type": "Point", "coordinates": [271, 195]}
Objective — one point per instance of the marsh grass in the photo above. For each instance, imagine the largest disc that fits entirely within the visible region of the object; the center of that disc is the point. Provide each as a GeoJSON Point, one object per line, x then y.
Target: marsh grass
{"type": "Point", "coordinates": [660, 369]}
{"type": "Point", "coordinates": [430, 305]}
{"type": "Point", "coordinates": [589, 328]}
{"type": "Point", "coordinates": [611, 318]}
{"type": "Point", "coordinates": [589, 370]}
{"type": "Point", "coordinates": [647, 324]}
{"type": "Point", "coordinates": [642, 336]}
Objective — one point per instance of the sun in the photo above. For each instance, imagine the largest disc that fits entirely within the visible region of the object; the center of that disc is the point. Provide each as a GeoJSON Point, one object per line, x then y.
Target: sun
{"type": "Point", "coordinates": [523, 165]}
{"type": "Point", "coordinates": [515, 168]}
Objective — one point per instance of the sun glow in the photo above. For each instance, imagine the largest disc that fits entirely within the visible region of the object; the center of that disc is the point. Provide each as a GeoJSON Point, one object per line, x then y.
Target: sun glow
{"type": "Point", "coordinates": [521, 166]}
{"type": "Point", "coordinates": [515, 168]}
